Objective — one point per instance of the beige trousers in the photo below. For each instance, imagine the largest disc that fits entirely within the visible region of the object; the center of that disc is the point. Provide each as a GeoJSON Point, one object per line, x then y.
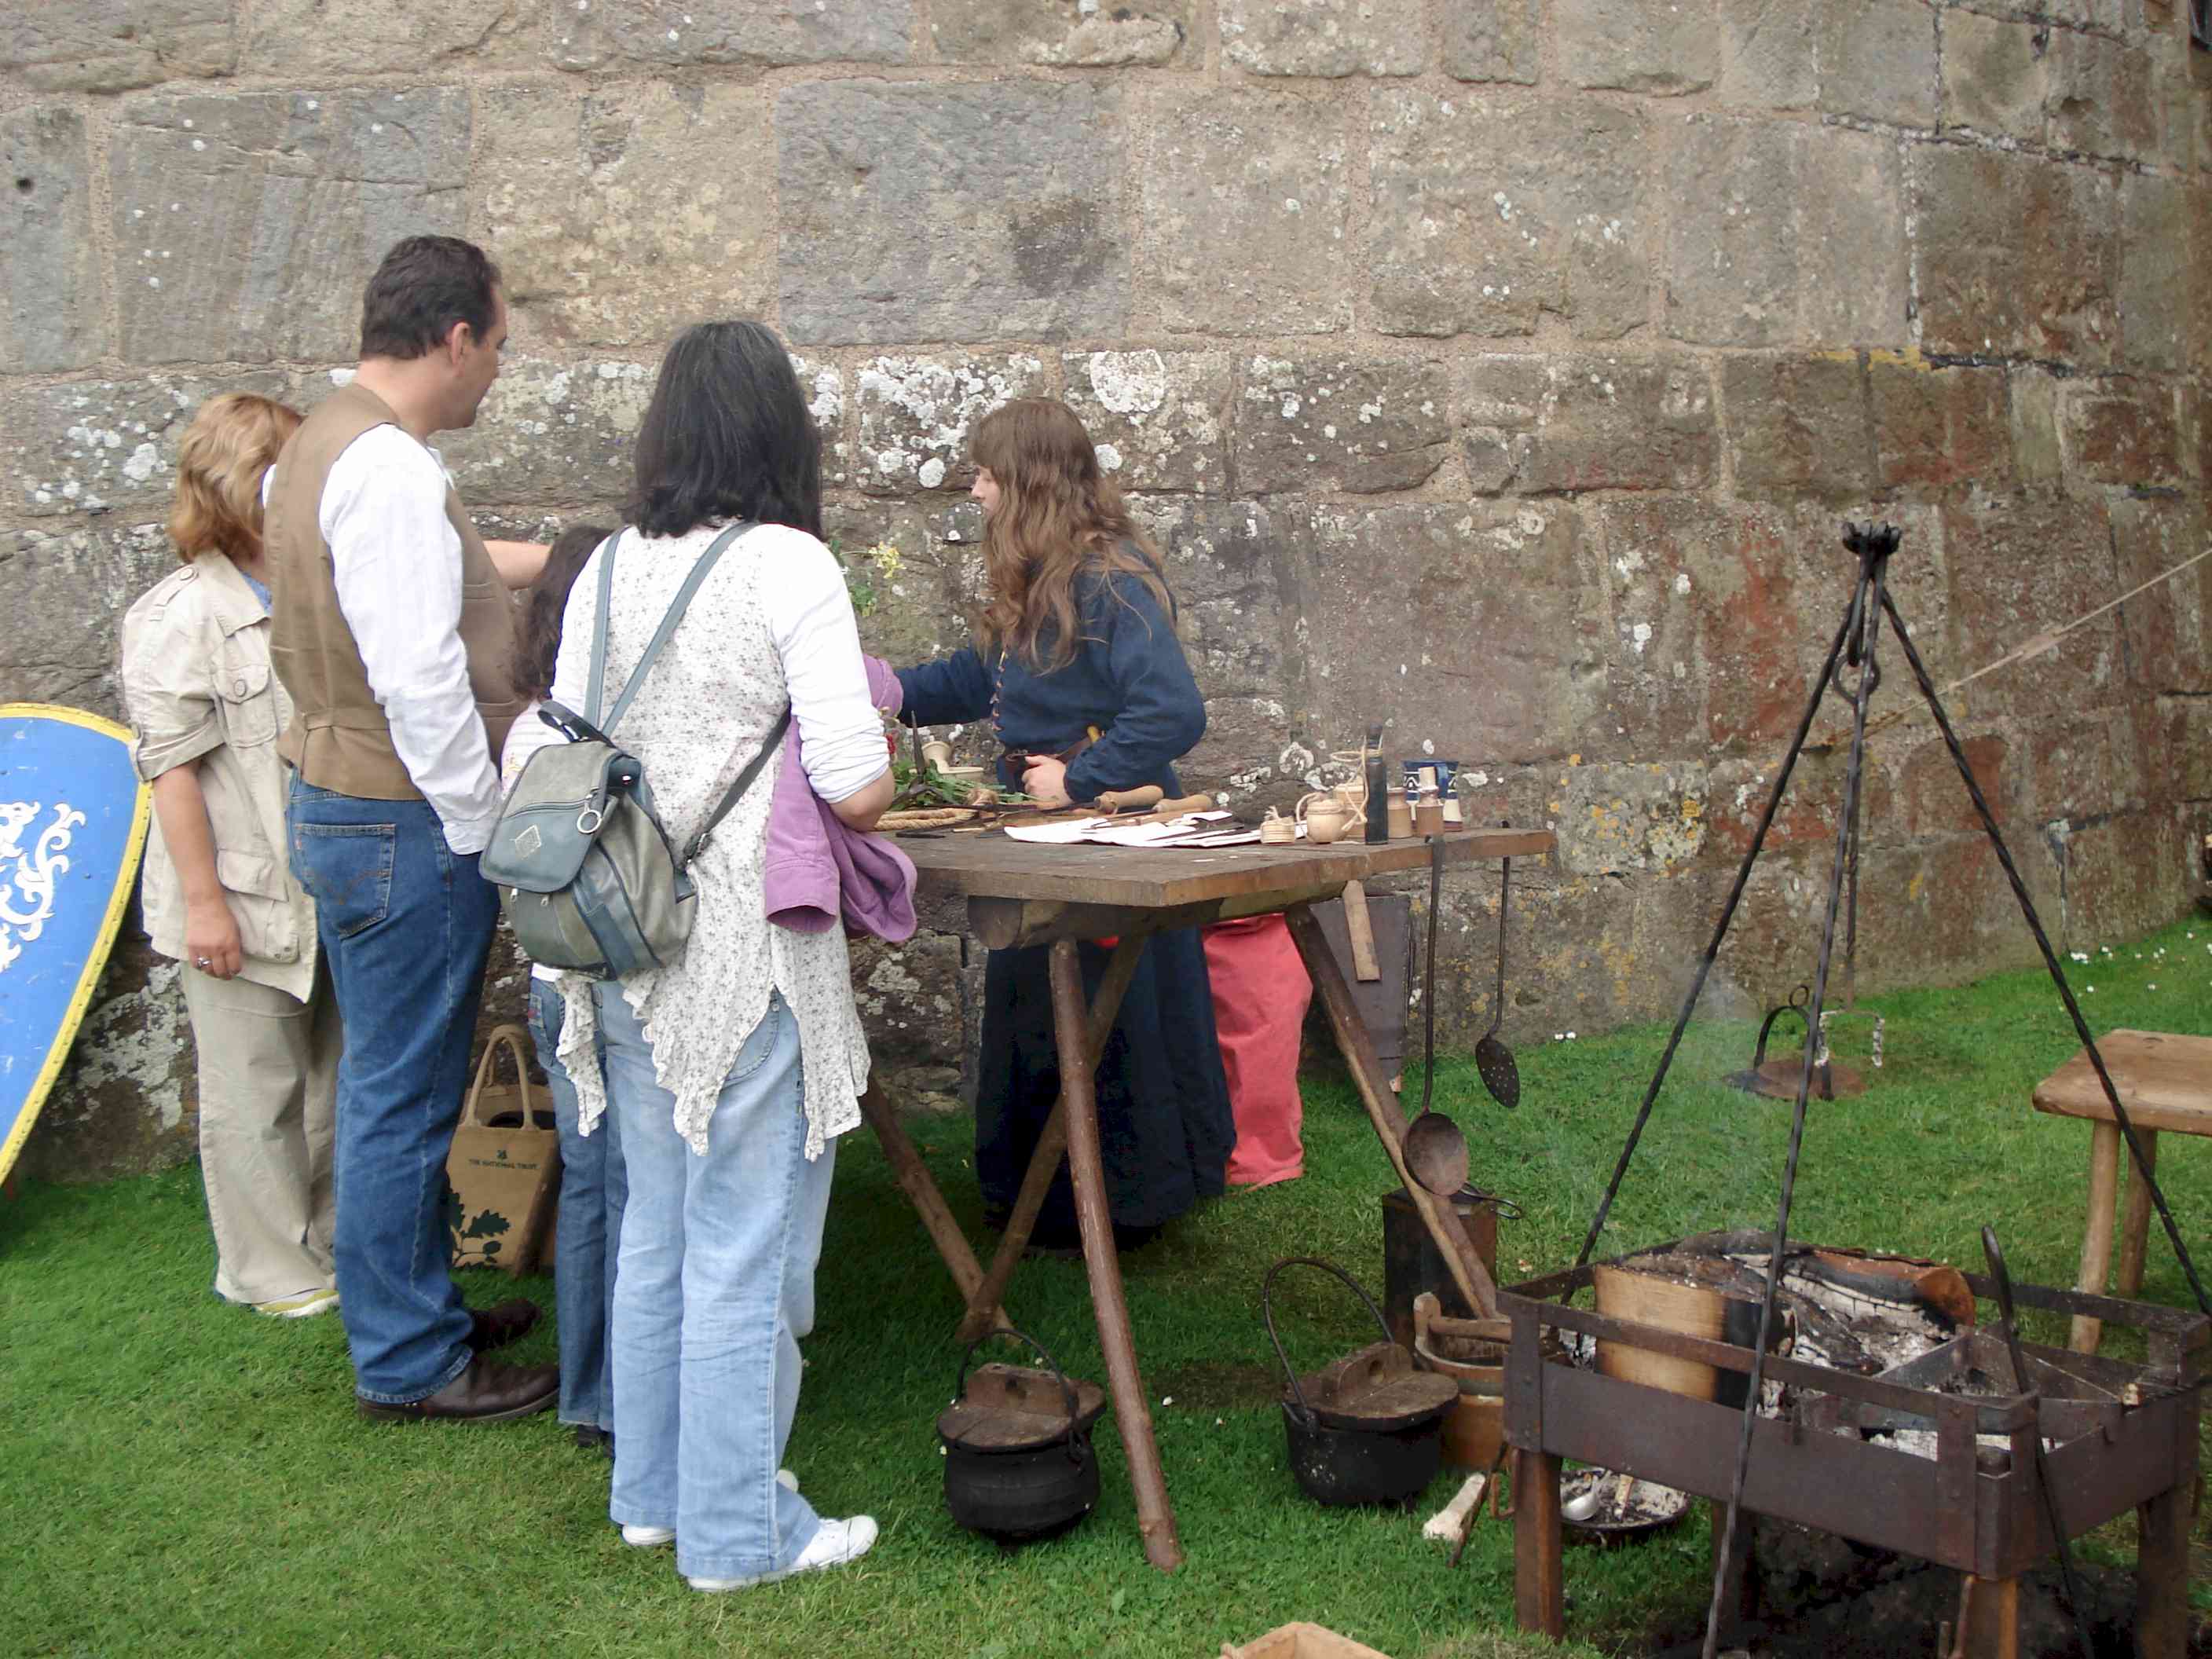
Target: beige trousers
{"type": "Point", "coordinates": [269, 1077]}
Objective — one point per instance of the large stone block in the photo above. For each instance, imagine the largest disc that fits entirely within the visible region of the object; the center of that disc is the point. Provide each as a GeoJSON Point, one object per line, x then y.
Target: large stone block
{"type": "Point", "coordinates": [2200, 261]}
{"type": "Point", "coordinates": [909, 998]}
{"type": "Point", "coordinates": [1247, 197]}
{"type": "Point", "coordinates": [1996, 76]}
{"type": "Point", "coordinates": [245, 226]}
{"type": "Point", "coordinates": [1636, 47]}
{"type": "Point", "coordinates": [1323, 37]}
{"type": "Point", "coordinates": [1587, 422]}
{"type": "Point", "coordinates": [2120, 431]}
{"type": "Point", "coordinates": [909, 588]}
{"type": "Point", "coordinates": [1477, 627]}
{"type": "Point", "coordinates": [2167, 629]}
{"type": "Point", "coordinates": [1493, 40]}
{"type": "Point", "coordinates": [1159, 417]}
{"type": "Point", "coordinates": [2079, 769]}
{"type": "Point", "coordinates": [1785, 232]}
{"type": "Point", "coordinates": [53, 317]}
{"type": "Point", "coordinates": [317, 38]}
{"type": "Point", "coordinates": [762, 32]}
{"type": "Point", "coordinates": [1937, 426]}
{"type": "Point", "coordinates": [2156, 278]}
{"type": "Point", "coordinates": [2017, 569]}
{"type": "Point", "coordinates": [64, 593]}
{"type": "Point", "coordinates": [2014, 257]}
{"type": "Point", "coordinates": [110, 45]}
{"type": "Point", "coordinates": [2102, 99]}
{"type": "Point", "coordinates": [881, 240]}
{"type": "Point", "coordinates": [1799, 427]}
{"type": "Point", "coordinates": [2032, 412]}
{"type": "Point", "coordinates": [1060, 32]}
{"type": "Point", "coordinates": [1878, 61]}
{"type": "Point", "coordinates": [1809, 813]}
{"type": "Point", "coordinates": [2124, 877]}
{"type": "Point", "coordinates": [1657, 667]}
{"type": "Point", "coordinates": [126, 1102]}
{"type": "Point", "coordinates": [1933, 797]}
{"type": "Point", "coordinates": [1624, 818]}
{"type": "Point", "coordinates": [1489, 215]}
{"type": "Point", "coordinates": [1769, 55]}
{"type": "Point", "coordinates": [571, 194]}
{"type": "Point", "coordinates": [1338, 426]}
{"type": "Point", "coordinates": [89, 446]}
{"type": "Point", "coordinates": [553, 432]}
{"type": "Point", "coordinates": [916, 413]}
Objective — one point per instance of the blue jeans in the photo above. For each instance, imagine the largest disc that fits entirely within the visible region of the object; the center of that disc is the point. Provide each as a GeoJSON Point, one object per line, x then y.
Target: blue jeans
{"type": "Point", "coordinates": [405, 924]}
{"type": "Point", "coordinates": [716, 1288]}
{"type": "Point", "coordinates": [593, 1193]}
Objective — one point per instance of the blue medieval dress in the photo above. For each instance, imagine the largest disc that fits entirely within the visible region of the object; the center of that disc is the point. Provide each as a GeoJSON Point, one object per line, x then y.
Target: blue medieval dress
{"type": "Point", "coordinates": [1163, 1113]}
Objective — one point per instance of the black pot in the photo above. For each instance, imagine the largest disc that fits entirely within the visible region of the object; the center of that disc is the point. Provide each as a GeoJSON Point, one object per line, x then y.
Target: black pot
{"type": "Point", "coordinates": [1017, 1487]}
{"type": "Point", "coordinates": [1339, 1459]}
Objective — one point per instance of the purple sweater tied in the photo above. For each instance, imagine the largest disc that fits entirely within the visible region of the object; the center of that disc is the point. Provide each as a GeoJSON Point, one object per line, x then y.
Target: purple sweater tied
{"type": "Point", "coordinates": [819, 869]}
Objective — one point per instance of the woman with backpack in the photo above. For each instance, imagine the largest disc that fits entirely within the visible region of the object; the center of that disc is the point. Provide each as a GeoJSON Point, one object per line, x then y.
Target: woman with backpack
{"type": "Point", "coordinates": [730, 1072]}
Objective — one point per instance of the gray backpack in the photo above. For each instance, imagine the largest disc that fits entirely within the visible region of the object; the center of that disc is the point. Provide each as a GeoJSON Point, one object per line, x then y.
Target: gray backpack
{"type": "Point", "coordinates": [584, 867]}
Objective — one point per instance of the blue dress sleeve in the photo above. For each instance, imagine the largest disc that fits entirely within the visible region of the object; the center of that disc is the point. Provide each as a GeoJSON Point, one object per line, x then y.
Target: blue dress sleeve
{"type": "Point", "coordinates": [1162, 716]}
{"type": "Point", "coordinates": [946, 692]}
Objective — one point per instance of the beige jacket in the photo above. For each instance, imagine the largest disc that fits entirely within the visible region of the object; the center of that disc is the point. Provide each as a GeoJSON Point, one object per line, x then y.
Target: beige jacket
{"type": "Point", "coordinates": [196, 686]}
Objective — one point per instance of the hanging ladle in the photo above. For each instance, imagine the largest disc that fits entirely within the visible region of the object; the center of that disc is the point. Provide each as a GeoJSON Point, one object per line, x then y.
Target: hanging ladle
{"type": "Point", "coordinates": [1493, 1058]}
{"type": "Point", "coordinates": [1435, 1150]}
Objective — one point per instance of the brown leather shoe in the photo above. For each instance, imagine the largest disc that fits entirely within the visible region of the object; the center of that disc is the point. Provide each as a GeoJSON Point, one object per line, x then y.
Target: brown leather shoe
{"type": "Point", "coordinates": [494, 1328]}
{"type": "Point", "coordinates": [485, 1393]}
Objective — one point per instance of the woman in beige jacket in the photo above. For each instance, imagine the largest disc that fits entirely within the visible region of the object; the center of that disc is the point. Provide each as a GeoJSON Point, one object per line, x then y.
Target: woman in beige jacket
{"type": "Point", "coordinates": [218, 893]}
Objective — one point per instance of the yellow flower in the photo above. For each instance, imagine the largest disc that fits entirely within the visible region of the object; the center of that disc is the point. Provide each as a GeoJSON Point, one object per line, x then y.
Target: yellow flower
{"type": "Point", "coordinates": [886, 558]}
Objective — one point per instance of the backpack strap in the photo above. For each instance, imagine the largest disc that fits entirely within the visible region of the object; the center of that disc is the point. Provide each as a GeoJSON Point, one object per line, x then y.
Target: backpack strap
{"type": "Point", "coordinates": [697, 844]}
{"type": "Point", "coordinates": [674, 614]}
{"type": "Point", "coordinates": [606, 556]}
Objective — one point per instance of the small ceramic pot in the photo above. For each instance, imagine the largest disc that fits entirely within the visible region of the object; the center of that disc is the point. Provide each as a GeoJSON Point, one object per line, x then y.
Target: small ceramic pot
{"type": "Point", "coordinates": [937, 753]}
{"type": "Point", "coordinates": [1400, 818]}
{"type": "Point", "coordinates": [1326, 817]}
{"type": "Point", "coordinates": [1277, 831]}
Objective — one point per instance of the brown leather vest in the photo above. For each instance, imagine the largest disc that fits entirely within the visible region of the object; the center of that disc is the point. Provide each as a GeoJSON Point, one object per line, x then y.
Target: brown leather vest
{"type": "Point", "coordinates": [338, 739]}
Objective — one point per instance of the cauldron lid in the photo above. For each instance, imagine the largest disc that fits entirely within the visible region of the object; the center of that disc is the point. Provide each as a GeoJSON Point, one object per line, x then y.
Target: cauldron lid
{"type": "Point", "coordinates": [1375, 1388]}
{"type": "Point", "coordinates": [1012, 1408]}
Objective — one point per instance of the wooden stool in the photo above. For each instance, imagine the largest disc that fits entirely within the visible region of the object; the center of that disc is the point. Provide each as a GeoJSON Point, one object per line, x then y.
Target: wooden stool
{"type": "Point", "coordinates": [2165, 1082]}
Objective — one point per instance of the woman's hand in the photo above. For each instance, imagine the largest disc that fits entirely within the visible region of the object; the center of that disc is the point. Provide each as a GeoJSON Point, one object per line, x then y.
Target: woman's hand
{"type": "Point", "coordinates": [1045, 781]}
{"type": "Point", "coordinates": [211, 942]}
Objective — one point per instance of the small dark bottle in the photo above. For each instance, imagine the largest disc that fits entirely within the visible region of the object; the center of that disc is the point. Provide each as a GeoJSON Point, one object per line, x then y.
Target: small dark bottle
{"type": "Point", "coordinates": [1377, 772]}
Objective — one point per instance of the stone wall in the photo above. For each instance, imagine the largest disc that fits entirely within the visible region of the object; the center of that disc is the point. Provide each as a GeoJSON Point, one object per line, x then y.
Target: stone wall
{"type": "Point", "coordinates": [1499, 369]}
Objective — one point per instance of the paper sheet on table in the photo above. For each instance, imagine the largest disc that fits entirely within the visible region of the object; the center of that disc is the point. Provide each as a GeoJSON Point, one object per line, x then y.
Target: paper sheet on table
{"type": "Point", "coordinates": [1192, 830]}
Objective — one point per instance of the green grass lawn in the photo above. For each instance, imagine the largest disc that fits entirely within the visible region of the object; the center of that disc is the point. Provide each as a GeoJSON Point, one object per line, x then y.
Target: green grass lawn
{"type": "Point", "coordinates": [179, 1478]}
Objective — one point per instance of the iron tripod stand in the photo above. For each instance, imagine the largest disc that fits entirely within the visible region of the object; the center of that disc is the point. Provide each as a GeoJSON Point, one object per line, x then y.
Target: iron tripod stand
{"type": "Point", "coordinates": [1855, 646]}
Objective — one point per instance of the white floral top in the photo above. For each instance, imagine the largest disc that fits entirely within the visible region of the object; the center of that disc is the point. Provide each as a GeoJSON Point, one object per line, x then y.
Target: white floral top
{"type": "Point", "coordinates": [718, 686]}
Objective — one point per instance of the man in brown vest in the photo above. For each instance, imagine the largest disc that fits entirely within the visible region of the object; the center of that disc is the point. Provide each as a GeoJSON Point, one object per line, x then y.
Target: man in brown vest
{"type": "Point", "coordinates": [392, 631]}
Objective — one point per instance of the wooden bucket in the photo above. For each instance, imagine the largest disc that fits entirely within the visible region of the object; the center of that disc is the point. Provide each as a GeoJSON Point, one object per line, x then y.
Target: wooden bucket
{"type": "Point", "coordinates": [1655, 1295]}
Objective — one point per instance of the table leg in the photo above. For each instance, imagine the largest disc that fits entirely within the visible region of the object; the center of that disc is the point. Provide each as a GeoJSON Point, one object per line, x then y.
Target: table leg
{"type": "Point", "coordinates": [1086, 1167]}
{"type": "Point", "coordinates": [1444, 1222]}
{"type": "Point", "coordinates": [983, 1300]}
{"type": "Point", "coordinates": [1993, 1619]}
{"type": "Point", "coordinates": [2134, 1225]}
{"type": "Point", "coordinates": [2097, 1238]}
{"type": "Point", "coordinates": [913, 1180]}
{"type": "Point", "coordinates": [1539, 1603]}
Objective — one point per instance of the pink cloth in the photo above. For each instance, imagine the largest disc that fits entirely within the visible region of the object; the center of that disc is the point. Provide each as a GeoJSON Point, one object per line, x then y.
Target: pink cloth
{"type": "Point", "coordinates": [1261, 990]}
{"type": "Point", "coordinates": [819, 869]}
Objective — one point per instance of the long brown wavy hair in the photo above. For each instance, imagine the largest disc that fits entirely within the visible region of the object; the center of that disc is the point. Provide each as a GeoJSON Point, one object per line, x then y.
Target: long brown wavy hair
{"type": "Point", "coordinates": [537, 629]}
{"type": "Point", "coordinates": [231, 443]}
{"type": "Point", "coordinates": [1059, 518]}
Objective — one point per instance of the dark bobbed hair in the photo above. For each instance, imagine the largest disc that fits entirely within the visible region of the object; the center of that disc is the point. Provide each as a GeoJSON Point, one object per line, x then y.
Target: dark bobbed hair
{"type": "Point", "coordinates": [538, 630]}
{"type": "Point", "coordinates": [726, 436]}
{"type": "Point", "coordinates": [425, 285]}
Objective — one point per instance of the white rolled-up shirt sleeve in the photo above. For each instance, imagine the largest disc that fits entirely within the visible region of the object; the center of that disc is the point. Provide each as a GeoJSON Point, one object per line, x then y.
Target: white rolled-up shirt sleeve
{"type": "Point", "coordinates": [809, 617]}
{"type": "Point", "coordinates": [397, 561]}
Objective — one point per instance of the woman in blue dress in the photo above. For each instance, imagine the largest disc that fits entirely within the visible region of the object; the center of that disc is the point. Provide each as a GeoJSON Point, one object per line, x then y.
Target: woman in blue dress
{"type": "Point", "coordinates": [1079, 672]}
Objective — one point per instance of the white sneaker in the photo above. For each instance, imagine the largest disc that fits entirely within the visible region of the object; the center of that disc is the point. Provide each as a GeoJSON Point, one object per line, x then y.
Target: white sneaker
{"type": "Point", "coordinates": [833, 1544]}
{"type": "Point", "coordinates": [787, 1480]}
{"type": "Point", "coordinates": [305, 1306]}
{"type": "Point", "coordinates": [647, 1538]}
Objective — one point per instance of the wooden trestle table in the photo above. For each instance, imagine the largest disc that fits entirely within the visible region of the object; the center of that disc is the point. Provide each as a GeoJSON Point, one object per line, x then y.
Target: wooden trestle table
{"type": "Point", "coordinates": [1009, 893]}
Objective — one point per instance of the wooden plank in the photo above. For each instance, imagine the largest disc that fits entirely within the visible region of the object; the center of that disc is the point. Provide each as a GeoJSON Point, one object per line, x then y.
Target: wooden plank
{"type": "Point", "coordinates": [1540, 1599]}
{"type": "Point", "coordinates": [2164, 1081]}
{"type": "Point", "coordinates": [998, 867]}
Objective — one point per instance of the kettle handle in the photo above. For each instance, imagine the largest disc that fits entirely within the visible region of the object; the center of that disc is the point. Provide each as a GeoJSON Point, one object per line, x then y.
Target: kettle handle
{"type": "Point", "coordinates": [968, 1357]}
{"type": "Point", "coordinates": [1268, 1314]}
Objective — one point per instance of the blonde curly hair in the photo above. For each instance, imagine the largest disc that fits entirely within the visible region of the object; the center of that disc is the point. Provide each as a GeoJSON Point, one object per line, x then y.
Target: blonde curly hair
{"type": "Point", "coordinates": [232, 441]}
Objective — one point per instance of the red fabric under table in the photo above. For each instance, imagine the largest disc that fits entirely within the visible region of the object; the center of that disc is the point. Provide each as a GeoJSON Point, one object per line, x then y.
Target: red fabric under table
{"type": "Point", "coordinates": [1261, 990]}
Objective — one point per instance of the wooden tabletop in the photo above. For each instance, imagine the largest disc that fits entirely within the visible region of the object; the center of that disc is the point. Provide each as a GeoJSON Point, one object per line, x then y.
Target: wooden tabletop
{"type": "Point", "coordinates": [2164, 1081]}
{"type": "Point", "coordinates": [991, 864]}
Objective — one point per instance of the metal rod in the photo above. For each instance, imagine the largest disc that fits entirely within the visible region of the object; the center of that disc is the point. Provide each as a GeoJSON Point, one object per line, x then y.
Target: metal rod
{"type": "Point", "coordinates": [1712, 950]}
{"type": "Point", "coordinates": [2034, 1397]}
{"type": "Point", "coordinates": [2144, 1165]}
{"type": "Point", "coordinates": [1874, 548]}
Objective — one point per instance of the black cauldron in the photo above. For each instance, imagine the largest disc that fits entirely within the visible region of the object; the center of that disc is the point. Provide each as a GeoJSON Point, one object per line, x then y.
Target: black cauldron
{"type": "Point", "coordinates": [1018, 1464]}
{"type": "Point", "coordinates": [1369, 1429]}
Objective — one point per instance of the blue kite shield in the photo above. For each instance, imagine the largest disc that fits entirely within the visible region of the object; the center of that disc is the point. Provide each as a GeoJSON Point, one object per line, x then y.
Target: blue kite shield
{"type": "Point", "coordinates": [72, 825]}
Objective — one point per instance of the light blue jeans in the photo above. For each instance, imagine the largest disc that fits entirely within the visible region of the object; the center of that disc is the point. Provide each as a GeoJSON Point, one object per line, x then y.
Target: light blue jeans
{"type": "Point", "coordinates": [714, 1289]}
{"type": "Point", "coordinates": [593, 1193]}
